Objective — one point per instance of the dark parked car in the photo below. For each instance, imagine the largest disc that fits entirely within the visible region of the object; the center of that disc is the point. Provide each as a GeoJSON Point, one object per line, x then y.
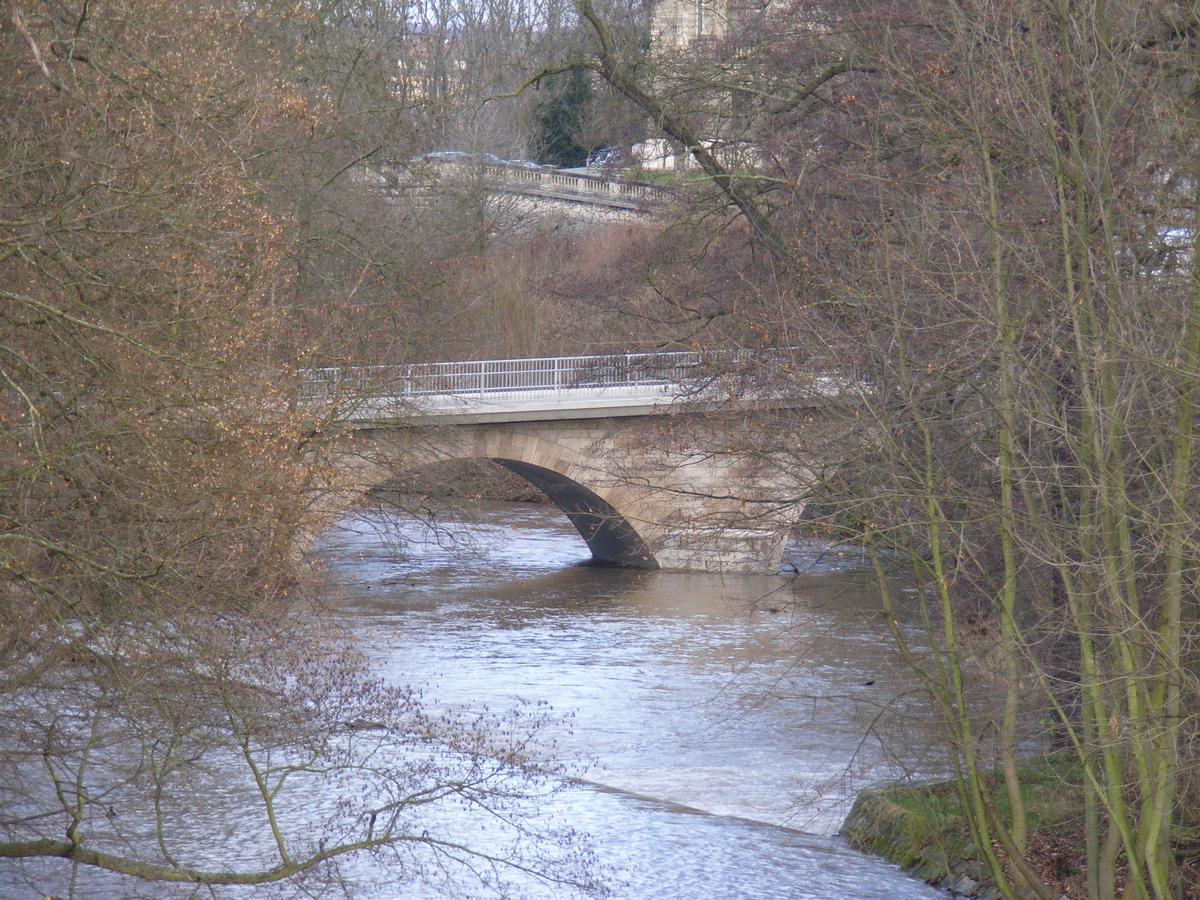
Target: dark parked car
{"type": "Point", "coordinates": [449, 155]}
{"type": "Point", "coordinates": [607, 158]}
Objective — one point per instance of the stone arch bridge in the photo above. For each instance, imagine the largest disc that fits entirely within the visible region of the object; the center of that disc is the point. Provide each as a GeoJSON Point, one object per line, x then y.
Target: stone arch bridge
{"type": "Point", "coordinates": [649, 455]}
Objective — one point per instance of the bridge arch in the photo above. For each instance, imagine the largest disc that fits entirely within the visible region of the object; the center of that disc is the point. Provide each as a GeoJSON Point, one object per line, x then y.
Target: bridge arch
{"type": "Point", "coordinates": [608, 534]}
{"type": "Point", "coordinates": [604, 515]}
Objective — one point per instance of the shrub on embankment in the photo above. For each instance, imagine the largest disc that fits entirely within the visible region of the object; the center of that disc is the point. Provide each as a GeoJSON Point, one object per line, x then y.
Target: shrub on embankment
{"type": "Point", "coordinates": [922, 829]}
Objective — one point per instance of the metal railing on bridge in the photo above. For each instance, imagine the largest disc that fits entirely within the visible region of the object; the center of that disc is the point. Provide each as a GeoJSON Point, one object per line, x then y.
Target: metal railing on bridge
{"type": "Point", "coordinates": [550, 377]}
{"type": "Point", "coordinates": [635, 196]}
{"type": "Point", "coordinates": [553, 182]}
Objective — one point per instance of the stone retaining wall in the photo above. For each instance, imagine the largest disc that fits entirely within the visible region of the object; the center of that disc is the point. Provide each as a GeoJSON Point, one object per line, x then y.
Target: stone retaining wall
{"type": "Point", "coordinates": [879, 826]}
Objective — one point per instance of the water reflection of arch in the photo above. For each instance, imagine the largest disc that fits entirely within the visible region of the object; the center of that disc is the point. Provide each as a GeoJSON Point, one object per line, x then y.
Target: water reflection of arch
{"type": "Point", "coordinates": [603, 513]}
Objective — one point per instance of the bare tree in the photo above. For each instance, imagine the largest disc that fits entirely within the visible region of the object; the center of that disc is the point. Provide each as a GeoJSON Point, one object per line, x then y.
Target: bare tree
{"type": "Point", "coordinates": [161, 651]}
{"type": "Point", "coordinates": [984, 219]}
{"type": "Point", "coordinates": [994, 264]}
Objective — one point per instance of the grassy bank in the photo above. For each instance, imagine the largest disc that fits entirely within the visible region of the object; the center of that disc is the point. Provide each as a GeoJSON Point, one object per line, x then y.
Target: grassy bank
{"type": "Point", "coordinates": [922, 829]}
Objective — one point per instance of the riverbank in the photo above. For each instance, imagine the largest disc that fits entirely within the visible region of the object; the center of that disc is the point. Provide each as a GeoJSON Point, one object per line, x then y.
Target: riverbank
{"type": "Point", "coordinates": [922, 829]}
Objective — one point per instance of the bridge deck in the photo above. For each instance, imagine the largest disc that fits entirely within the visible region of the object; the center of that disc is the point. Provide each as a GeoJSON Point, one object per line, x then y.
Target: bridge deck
{"type": "Point", "coordinates": [546, 183]}
{"type": "Point", "coordinates": [558, 388]}
{"type": "Point", "coordinates": [519, 406]}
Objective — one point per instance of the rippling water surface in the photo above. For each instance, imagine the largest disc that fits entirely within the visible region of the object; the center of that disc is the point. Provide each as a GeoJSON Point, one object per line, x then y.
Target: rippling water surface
{"type": "Point", "coordinates": [730, 720]}
{"type": "Point", "coordinates": [725, 722]}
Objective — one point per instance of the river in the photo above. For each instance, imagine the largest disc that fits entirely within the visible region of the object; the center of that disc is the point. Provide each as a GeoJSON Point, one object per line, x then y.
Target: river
{"type": "Point", "coordinates": [719, 726]}
{"type": "Point", "coordinates": [729, 721]}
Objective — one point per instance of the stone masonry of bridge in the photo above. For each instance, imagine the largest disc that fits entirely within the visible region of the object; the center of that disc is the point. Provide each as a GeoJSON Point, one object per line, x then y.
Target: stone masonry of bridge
{"type": "Point", "coordinates": [603, 198]}
{"type": "Point", "coordinates": [637, 488]}
{"type": "Point", "coordinates": [654, 457]}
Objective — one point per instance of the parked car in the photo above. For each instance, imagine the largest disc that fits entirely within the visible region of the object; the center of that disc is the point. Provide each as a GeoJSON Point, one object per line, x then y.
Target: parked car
{"type": "Point", "coordinates": [607, 158]}
{"type": "Point", "coordinates": [449, 155]}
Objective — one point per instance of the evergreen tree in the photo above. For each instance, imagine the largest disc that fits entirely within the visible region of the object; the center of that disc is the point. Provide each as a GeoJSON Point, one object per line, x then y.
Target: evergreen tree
{"type": "Point", "coordinates": [559, 120]}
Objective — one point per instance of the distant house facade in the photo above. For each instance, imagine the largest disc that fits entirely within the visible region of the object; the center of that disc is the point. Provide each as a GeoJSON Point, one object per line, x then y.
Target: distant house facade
{"type": "Point", "coordinates": [692, 28]}
{"type": "Point", "coordinates": [680, 24]}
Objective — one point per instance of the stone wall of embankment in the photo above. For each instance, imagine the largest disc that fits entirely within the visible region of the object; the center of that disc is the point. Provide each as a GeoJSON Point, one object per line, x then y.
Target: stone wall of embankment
{"type": "Point", "coordinates": [879, 825]}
